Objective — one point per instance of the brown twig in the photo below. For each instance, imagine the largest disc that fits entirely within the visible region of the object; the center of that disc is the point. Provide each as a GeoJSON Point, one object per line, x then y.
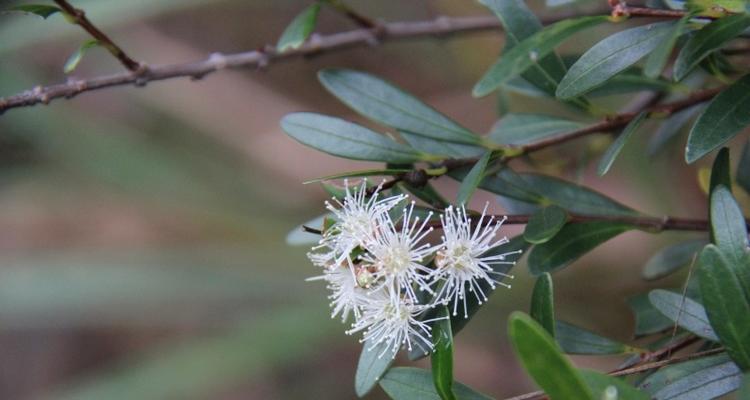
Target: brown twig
{"type": "Point", "coordinates": [80, 19]}
{"type": "Point", "coordinates": [623, 10]}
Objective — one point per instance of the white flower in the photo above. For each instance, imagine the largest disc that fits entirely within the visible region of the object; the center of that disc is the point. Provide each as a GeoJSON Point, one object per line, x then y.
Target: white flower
{"type": "Point", "coordinates": [347, 295]}
{"type": "Point", "coordinates": [461, 262]}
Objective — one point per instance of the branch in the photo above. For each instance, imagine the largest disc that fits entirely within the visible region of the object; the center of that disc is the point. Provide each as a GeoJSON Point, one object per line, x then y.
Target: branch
{"type": "Point", "coordinates": [79, 18]}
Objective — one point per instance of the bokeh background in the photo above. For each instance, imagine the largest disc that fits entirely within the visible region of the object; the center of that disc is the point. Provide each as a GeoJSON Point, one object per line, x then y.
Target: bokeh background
{"type": "Point", "coordinates": [142, 249]}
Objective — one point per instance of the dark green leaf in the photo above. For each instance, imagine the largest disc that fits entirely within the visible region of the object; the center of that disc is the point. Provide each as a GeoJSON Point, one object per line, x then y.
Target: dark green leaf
{"type": "Point", "coordinates": [527, 53]}
{"type": "Point", "coordinates": [611, 56]}
{"type": "Point", "coordinates": [442, 357]}
{"type": "Point", "coordinates": [41, 10]}
{"type": "Point", "coordinates": [631, 81]}
{"type": "Point", "coordinates": [447, 149]}
{"type": "Point", "coordinates": [674, 373]}
{"type": "Point", "coordinates": [671, 258]}
{"type": "Point", "coordinates": [658, 58]}
{"type": "Point", "coordinates": [345, 139]}
{"type": "Point", "coordinates": [608, 387]}
{"type": "Point", "coordinates": [745, 389]}
{"type": "Point", "coordinates": [299, 29]}
{"type": "Point", "coordinates": [721, 171]}
{"type": "Point", "coordinates": [542, 359]}
{"type": "Point", "coordinates": [385, 103]}
{"type": "Point", "coordinates": [576, 340]}
{"type": "Point", "coordinates": [426, 193]}
{"type": "Point", "coordinates": [730, 232]}
{"type": "Point", "coordinates": [373, 363]}
{"type": "Point", "coordinates": [545, 224]}
{"type": "Point", "coordinates": [648, 319]}
{"type": "Point", "coordinates": [683, 311]}
{"type": "Point", "coordinates": [77, 55]}
{"type": "Point", "coordinates": [743, 169]}
{"type": "Point", "coordinates": [406, 383]}
{"type": "Point", "coordinates": [519, 129]}
{"type": "Point", "coordinates": [708, 383]}
{"type": "Point", "coordinates": [472, 179]}
{"type": "Point", "coordinates": [726, 304]}
{"type": "Point", "coordinates": [707, 40]}
{"type": "Point", "coordinates": [572, 242]}
{"type": "Point", "coordinates": [724, 117]}
{"type": "Point", "coordinates": [670, 128]}
{"type": "Point", "coordinates": [543, 304]}
{"type": "Point", "coordinates": [362, 173]}
{"type": "Point", "coordinates": [614, 149]}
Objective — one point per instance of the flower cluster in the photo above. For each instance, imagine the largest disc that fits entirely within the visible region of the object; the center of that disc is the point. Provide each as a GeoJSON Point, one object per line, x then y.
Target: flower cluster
{"type": "Point", "coordinates": [380, 267]}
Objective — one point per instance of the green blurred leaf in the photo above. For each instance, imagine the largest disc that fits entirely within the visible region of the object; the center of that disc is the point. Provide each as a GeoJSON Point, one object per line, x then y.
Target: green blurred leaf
{"type": "Point", "coordinates": [669, 128]}
{"type": "Point", "coordinates": [406, 383]}
{"type": "Point", "coordinates": [519, 129]}
{"type": "Point", "coordinates": [543, 303]}
{"type": "Point", "coordinates": [41, 10]}
{"type": "Point", "coordinates": [383, 102]}
{"type": "Point", "coordinates": [721, 171]}
{"type": "Point", "coordinates": [374, 361]}
{"type": "Point", "coordinates": [77, 55]}
{"type": "Point", "coordinates": [345, 139]}
{"type": "Point", "coordinates": [675, 373]}
{"type": "Point", "coordinates": [297, 32]}
{"type": "Point", "coordinates": [572, 242]}
{"type": "Point", "coordinates": [669, 259]}
{"type": "Point", "coordinates": [614, 149]}
{"type": "Point", "coordinates": [648, 319]}
{"type": "Point", "coordinates": [685, 312]}
{"type": "Point", "coordinates": [611, 56]}
{"type": "Point", "coordinates": [526, 53]}
{"type": "Point", "coordinates": [725, 116]}
{"type": "Point", "coordinates": [730, 233]}
{"type": "Point", "coordinates": [362, 173]}
{"type": "Point", "coordinates": [743, 168]}
{"type": "Point", "coordinates": [603, 386]}
{"type": "Point", "coordinates": [708, 383]}
{"type": "Point", "coordinates": [472, 179]}
{"type": "Point", "coordinates": [745, 388]}
{"type": "Point", "coordinates": [576, 340]}
{"type": "Point", "coordinates": [707, 40]}
{"type": "Point", "coordinates": [659, 57]}
{"type": "Point", "coordinates": [726, 304]}
{"type": "Point", "coordinates": [442, 357]}
{"type": "Point", "coordinates": [542, 359]}
{"type": "Point", "coordinates": [545, 224]}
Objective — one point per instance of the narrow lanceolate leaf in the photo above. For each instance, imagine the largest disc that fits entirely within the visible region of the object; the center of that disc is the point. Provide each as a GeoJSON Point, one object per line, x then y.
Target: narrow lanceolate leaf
{"type": "Point", "coordinates": [611, 56]}
{"type": "Point", "coordinates": [41, 10]}
{"type": "Point", "coordinates": [614, 149]}
{"type": "Point", "coordinates": [670, 128]}
{"type": "Point", "coordinates": [472, 179]}
{"type": "Point", "coordinates": [362, 173]}
{"type": "Point", "coordinates": [77, 55]}
{"type": "Point", "coordinates": [709, 39]}
{"type": "Point", "coordinates": [543, 304]}
{"type": "Point", "coordinates": [730, 233]}
{"type": "Point", "coordinates": [648, 319]}
{"type": "Point", "coordinates": [683, 311]}
{"type": "Point", "coordinates": [529, 51]}
{"type": "Point", "coordinates": [299, 29]}
{"type": "Point", "coordinates": [672, 374]}
{"type": "Point", "coordinates": [726, 304]}
{"type": "Point", "coordinates": [345, 139]}
{"type": "Point", "coordinates": [519, 129]}
{"type": "Point", "coordinates": [576, 340]}
{"type": "Point", "coordinates": [442, 356]}
{"type": "Point", "coordinates": [724, 117]}
{"type": "Point", "coordinates": [385, 103]}
{"type": "Point", "coordinates": [672, 258]}
{"type": "Point", "coordinates": [542, 359]}
{"type": "Point", "coordinates": [406, 383]}
{"type": "Point", "coordinates": [707, 383]}
{"type": "Point", "coordinates": [545, 224]}
{"type": "Point", "coordinates": [743, 169]}
{"type": "Point", "coordinates": [721, 171]}
{"type": "Point", "coordinates": [441, 147]}
{"type": "Point", "coordinates": [571, 243]}
{"type": "Point", "coordinates": [604, 385]}
{"type": "Point", "coordinates": [373, 363]}
{"type": "Point", "coordinates": [660, 55]}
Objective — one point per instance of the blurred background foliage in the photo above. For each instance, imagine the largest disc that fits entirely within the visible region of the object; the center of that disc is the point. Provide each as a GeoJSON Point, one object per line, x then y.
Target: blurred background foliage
{"type": "Point", "coordinates": [143, 252]}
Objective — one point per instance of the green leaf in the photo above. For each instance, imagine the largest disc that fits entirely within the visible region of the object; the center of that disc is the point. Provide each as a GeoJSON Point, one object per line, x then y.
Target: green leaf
{"type": "Point", "coordinates": [572, 242]}
{"type": "Point", "coordinates": [725, 116]}
{"type": "Point", "coordinates": [671, 258]}
{"type": "Point", "coordinates": [447, 149]}
{"type": "Point", "coordinates": [743, 168]}
{"type": "Point", "coordinates": [383, 102]}
{"type": "Point", "coordinates": [543, 304]}
{"type": "Point", "coordinates": [683, 311]}
{"type": "Point", "coordinates": [77, 55]}
{"type": "Point", "coordinates": [526, 53]}
{"type": "Point", "coordinates": [299, 29]}
{"type": "Point", "coordinates": [744, 393]}
{"type": "Point", "coordinates": [648, 319]}
{"type": "Point", "coordinates": [611, 56]}
{"type": "Point", "coordinates": [576, 340]}
{"type": "Point", "coordinates": [709, 39]}
{"type": "Point", "coordinates": [672, 374]}
{"type": "Point", "coordinates": [614, 149]}
{"type": "Point", "coordinates": [659, 57]}
{"type": "Point", "coordinates": [631, 81]}
{"type": "Point", "coordinates": [426, 193]}
{"type": "Point", "coordinates": [406, 383]}
{"type": "Point", "coordinates": [727, 306]}
{"type": "Point", "coordinates": [609, 387]}
{"type": "Point", "coordinates": [545, 224]}
{"type": "Point", "coordinates": [542, 359]}
{"type": "Point", "coordinates": [361, 173]}
{"type": "Point", "coordinates": [520, 129]}
{"type": "Point", "coordinates": [730, 232]}
{"type": "Point", "coordinates": [707, 383]}
{"type": "Point", "coordinates": [472, 179]}
{"type": "Point", "coordinates": [721, 171]}
{"type": "Point", "coordinates": [442, 357]}
{"type": "Point", "coordinates": [41, 10]}
{"type": "Point", "coordinates": [374, 361]}
{"type": "Point", "coordinates": [345, 139]}
{"type": "Point", "coordinates": [670, 128]}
